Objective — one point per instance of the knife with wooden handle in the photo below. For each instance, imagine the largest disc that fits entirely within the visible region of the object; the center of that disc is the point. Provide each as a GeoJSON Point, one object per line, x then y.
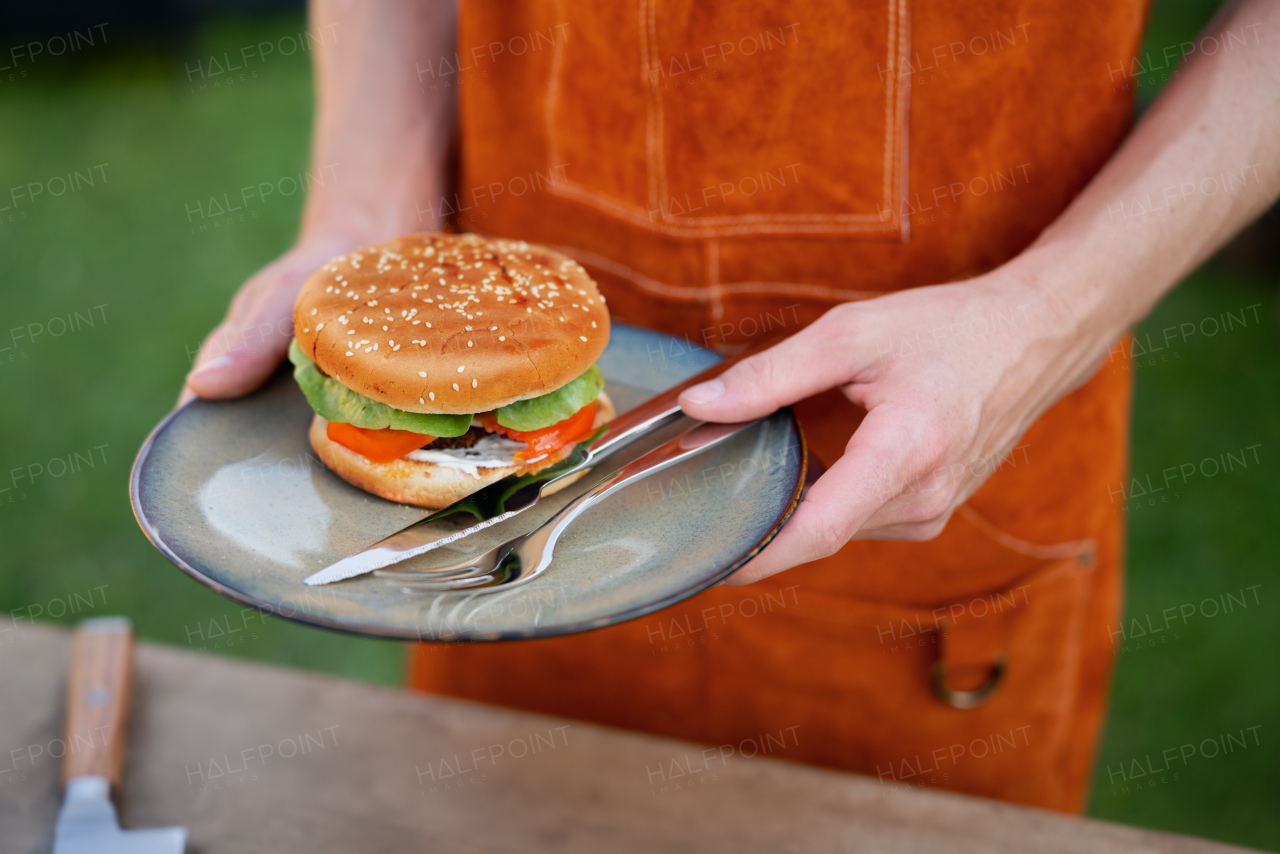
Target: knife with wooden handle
{"type": "Point", "coordinates": [98, 689]}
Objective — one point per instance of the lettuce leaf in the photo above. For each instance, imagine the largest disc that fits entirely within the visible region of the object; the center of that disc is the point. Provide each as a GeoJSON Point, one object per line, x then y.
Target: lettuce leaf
{"type": "Point", "coordinates": [335, 402]}
{"type": "Point", "coordinates": [553, 407]}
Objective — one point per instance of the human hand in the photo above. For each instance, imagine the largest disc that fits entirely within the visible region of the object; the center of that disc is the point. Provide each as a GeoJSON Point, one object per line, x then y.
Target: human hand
{"type": "Point", "coordinates": [950, 375]}
{"type": "Point", "coordinates": [245, 348]}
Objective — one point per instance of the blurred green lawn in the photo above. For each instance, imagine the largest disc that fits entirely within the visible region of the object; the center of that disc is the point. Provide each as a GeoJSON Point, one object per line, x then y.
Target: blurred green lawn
{"type": "Point", "coordinates": [130, 254]}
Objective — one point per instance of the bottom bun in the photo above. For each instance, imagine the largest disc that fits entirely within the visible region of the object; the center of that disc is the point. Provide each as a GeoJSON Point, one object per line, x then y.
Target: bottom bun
{"type": "Point", "coordinates": [426, 484]}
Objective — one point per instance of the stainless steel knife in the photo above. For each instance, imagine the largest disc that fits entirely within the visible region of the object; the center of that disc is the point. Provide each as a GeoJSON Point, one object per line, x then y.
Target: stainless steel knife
{"type": "Point", "coordinates": [516, 493]}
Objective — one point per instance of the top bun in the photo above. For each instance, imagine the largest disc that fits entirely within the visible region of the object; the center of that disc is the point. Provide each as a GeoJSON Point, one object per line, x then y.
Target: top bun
{"type": "Point", "coordinates": [451, 323]}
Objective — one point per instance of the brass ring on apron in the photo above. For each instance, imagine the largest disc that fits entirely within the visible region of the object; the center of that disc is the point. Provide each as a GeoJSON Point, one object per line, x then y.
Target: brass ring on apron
{"type": "Point", "coordinates": [967, 699]}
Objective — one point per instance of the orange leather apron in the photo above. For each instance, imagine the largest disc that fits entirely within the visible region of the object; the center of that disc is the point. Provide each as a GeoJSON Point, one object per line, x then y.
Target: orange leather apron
{"type": "Point", "coordinates": [730, 170]}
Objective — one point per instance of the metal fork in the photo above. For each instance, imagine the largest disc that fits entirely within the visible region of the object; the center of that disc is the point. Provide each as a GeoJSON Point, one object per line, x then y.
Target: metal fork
{"type": "Point", "coordinates": [528, 555]}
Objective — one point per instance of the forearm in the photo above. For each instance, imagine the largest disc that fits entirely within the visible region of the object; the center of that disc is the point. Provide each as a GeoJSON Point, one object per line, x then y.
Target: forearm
{"type": "Point", "coordinates": [385, 135]}
{"type": "Point", "coordinates": [1202, 163]}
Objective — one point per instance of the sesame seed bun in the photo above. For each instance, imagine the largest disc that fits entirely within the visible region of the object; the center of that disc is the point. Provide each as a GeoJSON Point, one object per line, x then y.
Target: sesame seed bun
{"type": "Point", "coordinates": [426, 484]}
{"type": "Point", "coordinates": [451, 323]}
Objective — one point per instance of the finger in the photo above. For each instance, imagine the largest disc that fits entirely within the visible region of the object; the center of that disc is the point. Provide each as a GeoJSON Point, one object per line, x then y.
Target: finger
{"type": "Point", "coordinates": [884, 453]}
{"type": "Point", "coordinates": [241, 354]}
{"type": "Point", "coordinates": [237, 358]}
{"type": "Point", "coordinates": [184, 397]}
{"type": "Point", "coordinates": [809, 362]}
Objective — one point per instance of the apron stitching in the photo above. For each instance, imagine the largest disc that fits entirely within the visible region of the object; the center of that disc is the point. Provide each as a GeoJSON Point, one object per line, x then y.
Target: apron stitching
{"type": "Point", "coordinates": [844, 225]}
{"type": "Point", "coordinates": [592, 259]}
{"type": "Point", "coordinates": [781, 223]}
{"type": "Point", "coordinates": [903, 125]}
{"type": "Point", "coordinates": [653, 138]}
{"type": "Point", "coordinates": [659, 160]}
{"type": "Point", "coordinates": [890, 102]}
{"type": "Point", "coordinates": [695, 293]}
{"type": "Point", "coordinates": [713, 279]}
{"type": "Point", "coordinates": [553, 90]}
{"type": "Point", "coordinates": [1073, 548]}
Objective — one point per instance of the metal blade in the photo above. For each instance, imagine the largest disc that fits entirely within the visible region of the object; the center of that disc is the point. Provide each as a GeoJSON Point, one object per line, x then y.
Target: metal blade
{"type": "Point", "coordinates": [495, 503]}
{"type": "Point", "coordinates": [87, 824]}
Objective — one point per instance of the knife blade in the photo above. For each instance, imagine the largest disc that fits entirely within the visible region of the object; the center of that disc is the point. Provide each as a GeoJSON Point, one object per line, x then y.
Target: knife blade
{"type": "Point", "coordinates": [516, 493]}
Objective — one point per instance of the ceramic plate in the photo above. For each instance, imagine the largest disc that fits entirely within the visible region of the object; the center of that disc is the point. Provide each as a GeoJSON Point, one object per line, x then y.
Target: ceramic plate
{"type": "Point", "coordinates": [232, 493]}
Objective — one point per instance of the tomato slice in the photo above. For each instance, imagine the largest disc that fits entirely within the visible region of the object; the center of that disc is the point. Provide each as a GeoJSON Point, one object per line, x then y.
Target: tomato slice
{"type": "Point", "coordinates": [381, 446]}
{"type": "Point", "coordinates": [548, 439]}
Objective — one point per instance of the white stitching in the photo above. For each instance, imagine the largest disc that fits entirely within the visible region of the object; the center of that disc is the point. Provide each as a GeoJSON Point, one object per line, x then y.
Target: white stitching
{"type": "Point", "coordinates": [713, 279]}
{"type": "Point", "coordinates": [745, 224]}
{"type": "Point", "coordinates": [553, 89]}
{"type": "Point", "coordinates": [616, 209]}
{"type": "Point", "coordinates": [652, 139]}
{"type": "Point", "coordinates": [700, 293]}
{"type": "Point", "coordinates": [1055, 551]}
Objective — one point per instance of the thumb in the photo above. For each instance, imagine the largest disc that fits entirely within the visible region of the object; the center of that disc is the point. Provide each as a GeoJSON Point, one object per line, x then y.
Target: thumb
{"type": "Point", "coordinates": [808, 363]}
{"type": "Point", "coordinates": [243, 351]}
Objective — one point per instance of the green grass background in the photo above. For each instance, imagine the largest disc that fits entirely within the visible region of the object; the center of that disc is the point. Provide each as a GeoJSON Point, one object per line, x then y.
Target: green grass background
{"type": "Point", "coordinates": [131, 244]}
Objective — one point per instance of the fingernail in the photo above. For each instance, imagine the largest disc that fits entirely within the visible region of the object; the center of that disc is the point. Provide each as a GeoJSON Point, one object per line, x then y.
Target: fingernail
{"type": "Point", "coordinates": [214, 364]}
{"type": "Point", "coordinates": [704, 392]}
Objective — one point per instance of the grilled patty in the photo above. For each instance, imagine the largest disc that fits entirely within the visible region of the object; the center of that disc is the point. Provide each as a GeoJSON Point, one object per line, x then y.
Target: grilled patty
{"type": "Point", "coordinates": [466, 440]}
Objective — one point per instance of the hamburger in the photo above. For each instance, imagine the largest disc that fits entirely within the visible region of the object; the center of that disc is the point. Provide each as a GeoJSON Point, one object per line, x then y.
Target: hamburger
{"type": "Point", "coordinates": [439, 363]}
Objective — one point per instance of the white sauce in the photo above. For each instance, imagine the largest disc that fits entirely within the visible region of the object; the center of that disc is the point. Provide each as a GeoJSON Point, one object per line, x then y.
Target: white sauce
{"type": "Point", "coordinates": [491, 451]}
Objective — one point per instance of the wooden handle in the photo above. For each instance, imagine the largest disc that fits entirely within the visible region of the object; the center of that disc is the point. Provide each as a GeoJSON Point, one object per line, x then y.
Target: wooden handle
{"type": "Point", "coordinates": [98, 689]}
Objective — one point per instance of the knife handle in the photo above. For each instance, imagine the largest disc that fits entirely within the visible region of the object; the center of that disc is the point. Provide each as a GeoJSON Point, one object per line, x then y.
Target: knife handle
{"type": "Point", "coordinates": [634, 422]}
{"type": "Point", "coordinates": [98, 688]}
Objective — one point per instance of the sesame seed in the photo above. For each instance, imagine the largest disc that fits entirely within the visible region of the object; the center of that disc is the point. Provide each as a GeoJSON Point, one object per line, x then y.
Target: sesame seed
{"type": "Point", "coordinates": [420, 400]}
{"type": "Point", "coordinates": [461, 368]}
{"type": "Point", "coordinates": [349, 353]}
{"type": "Point", "coordinates": [319, 326]}
{"type": "Point", "coordinates": [582, 338]}
{"type": "Point", "coordinates": [431, 394]}
{"type": "Point", "coordinates": [455, 386]}
{"type": "Point", "coordinates": [313, 311]}
{"type": "Point", "coordinates": [593, 324]}
{"type": "Point", "coordinates": [470, 343]}
{"type": "Point", "coordinates": [502, 338]}
{"type": "Point", "coordinates": [422, 373]}
{"type": "Point", "coordinates": [474, 383]}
